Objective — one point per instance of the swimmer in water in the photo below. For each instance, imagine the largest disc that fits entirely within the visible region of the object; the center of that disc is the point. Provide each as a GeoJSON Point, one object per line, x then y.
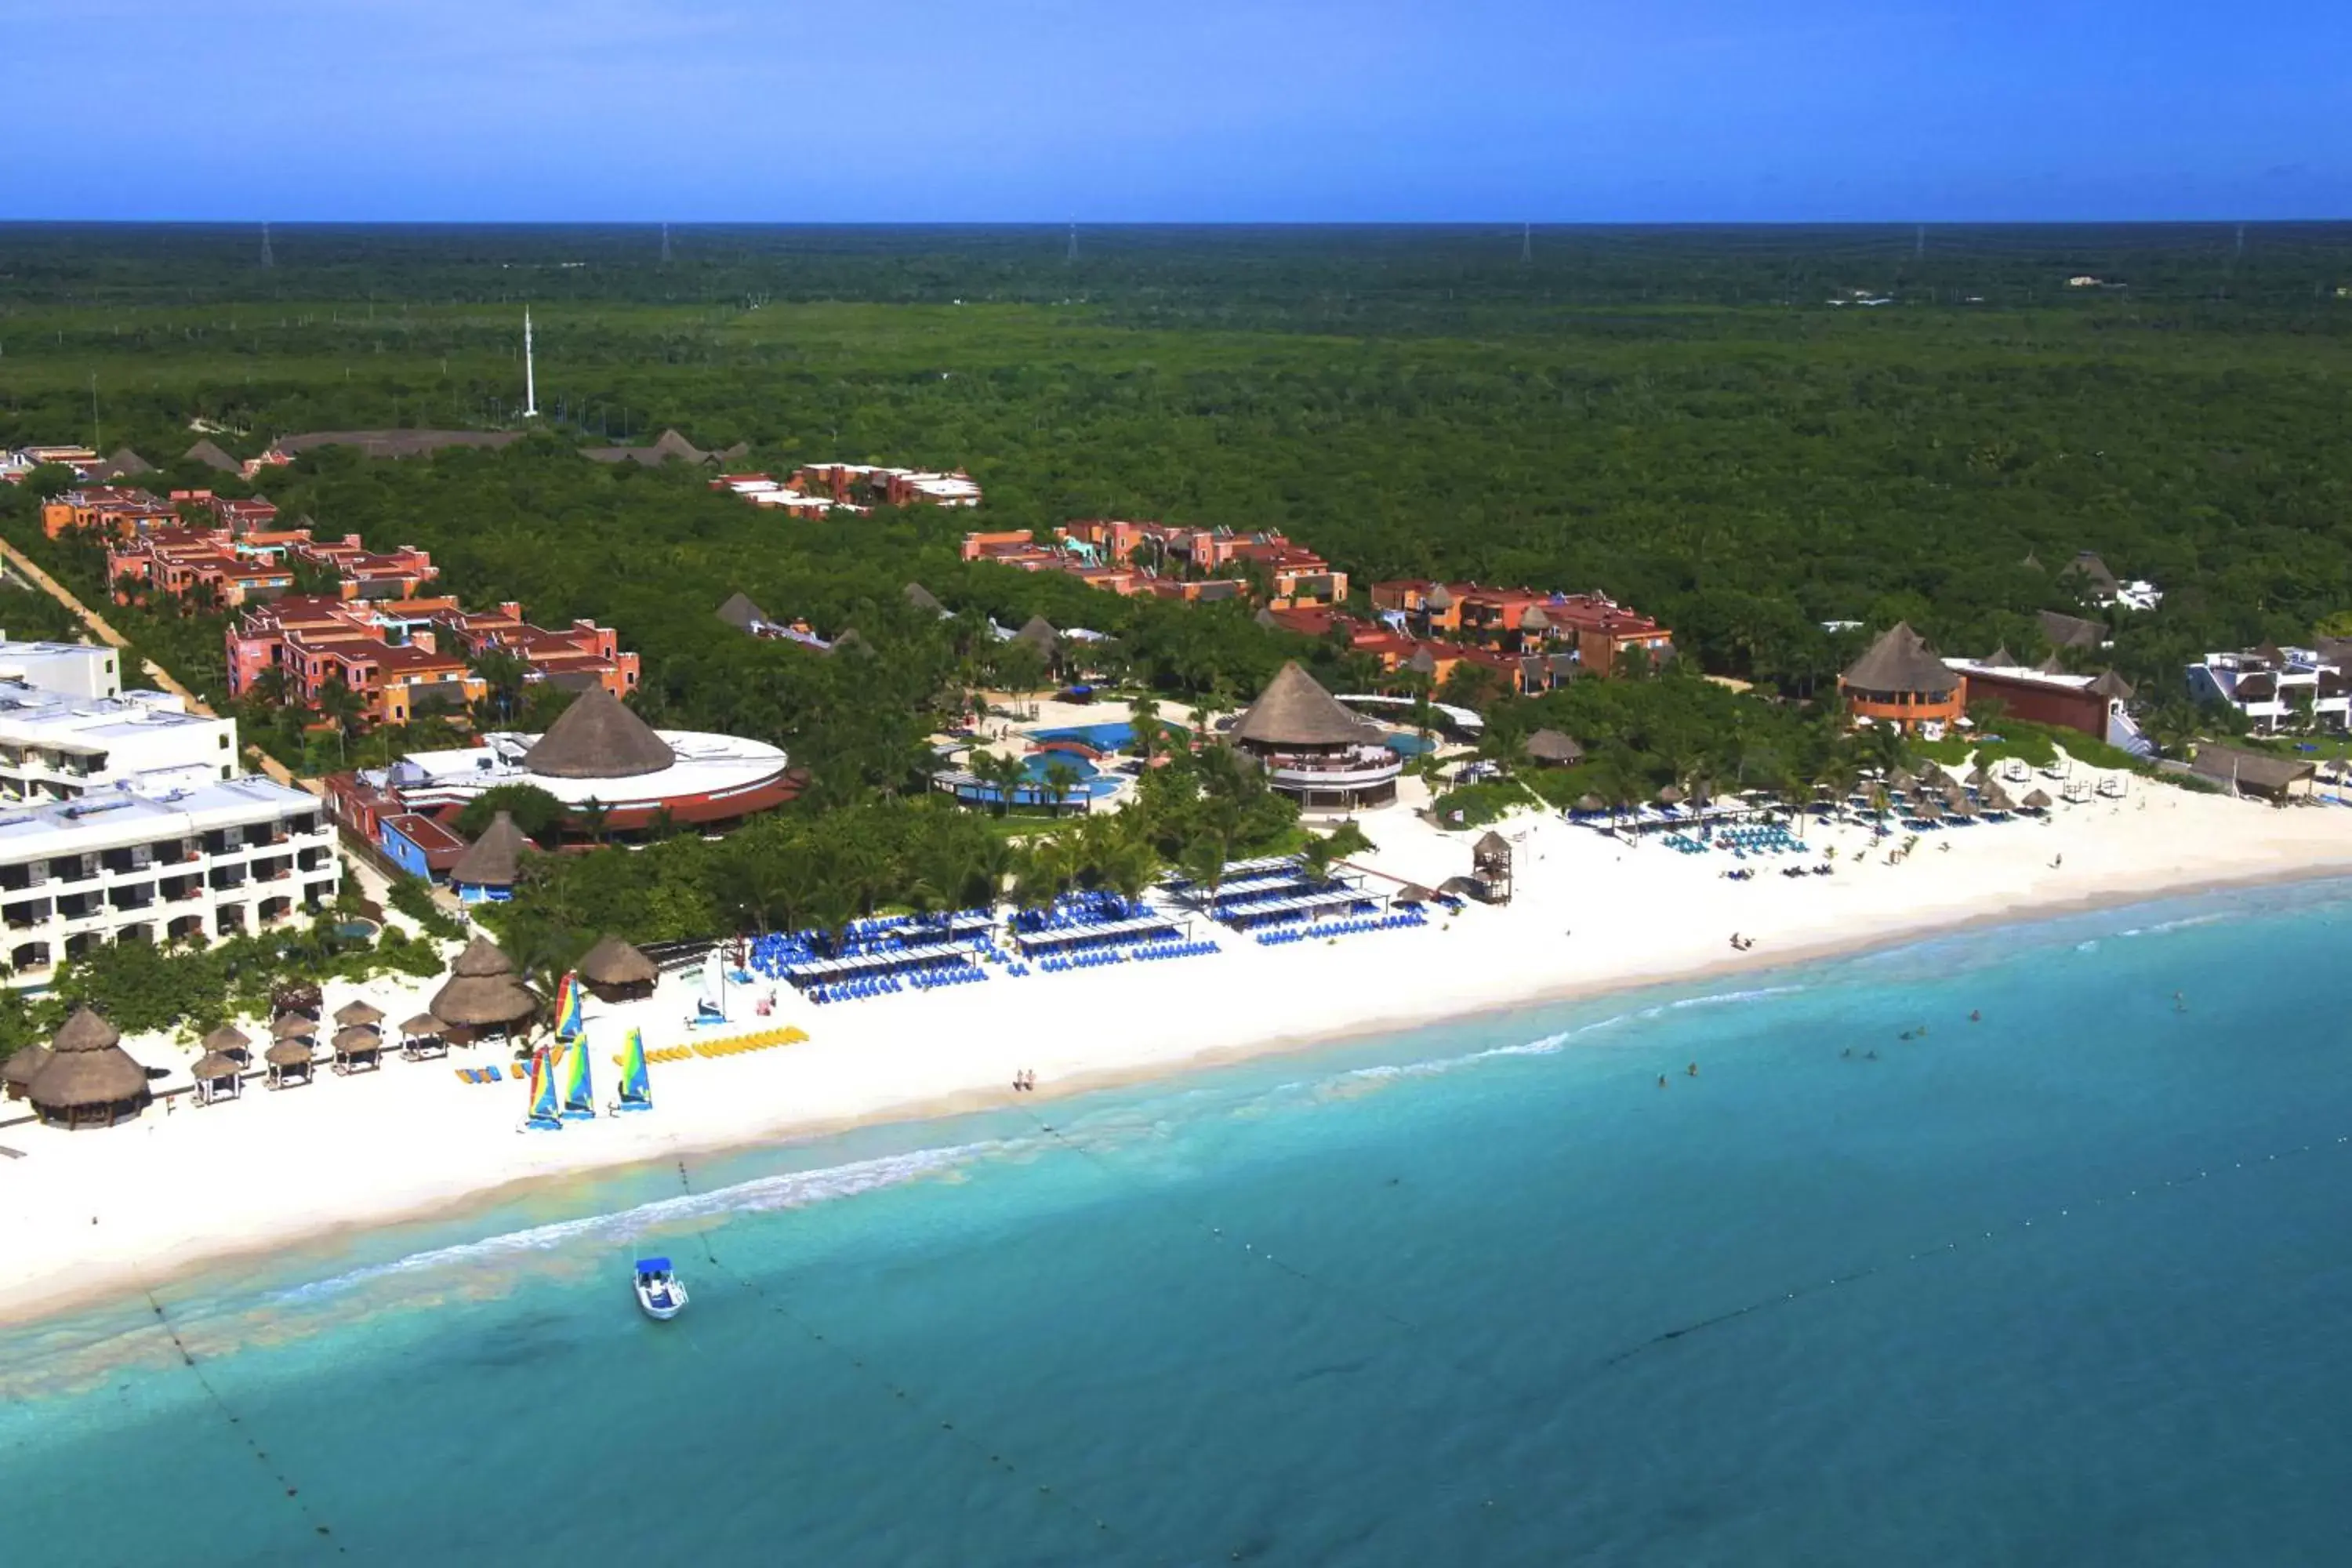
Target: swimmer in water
{"type": "Point", "coordinates": [1693, 1069]}
{"type": "Point", "coordinates": [1870, 1056]}
{"type": "Point", "coordinates": [1662, 1083]}
{"type": "Point", "coordinates": [1975, 1016]}
{"type": "Point", "coordinates": [2180, 1003]}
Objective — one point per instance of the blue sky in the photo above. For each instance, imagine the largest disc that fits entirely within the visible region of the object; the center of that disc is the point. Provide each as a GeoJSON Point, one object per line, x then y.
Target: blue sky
{"type": "Point", "coordinates": [1108, 110]}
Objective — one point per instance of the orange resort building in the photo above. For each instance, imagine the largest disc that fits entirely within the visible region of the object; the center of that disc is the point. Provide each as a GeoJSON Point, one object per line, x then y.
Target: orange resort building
{"type": "Point", "coordinates": [1901, 681]}
{"type": "Point", "coordinates": [1171, 560]}
{"type": "Point", "coordinates": [1595, 635]}
{"type": "Point", "coordinates": [618, 774]}
{"type": "Point", "coordinates": [399, 653]}
{"type": "Point", "coordinates": [1315, 750]}
{"type": "Point", "coordinates": [116, 510]}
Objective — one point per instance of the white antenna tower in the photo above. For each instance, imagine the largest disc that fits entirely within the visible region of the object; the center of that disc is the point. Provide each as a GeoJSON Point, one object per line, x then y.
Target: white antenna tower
{"type": "Point", "coordinates": [529, 371]}
{"type": "Point", "coordinates": [1919, 241]}
{"type": "Point", "coordinates": [1073, 255]}
{"type": "Point", "coordinates": [1527, 242]}
{"type": "Point", "coordinates": [665, 245]}
{"type": "Point", "coordinates": [268, 260]}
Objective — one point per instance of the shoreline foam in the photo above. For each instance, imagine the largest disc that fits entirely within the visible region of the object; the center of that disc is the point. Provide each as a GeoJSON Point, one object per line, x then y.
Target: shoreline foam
{"type": "Point", "coordinates": [292, 1170]}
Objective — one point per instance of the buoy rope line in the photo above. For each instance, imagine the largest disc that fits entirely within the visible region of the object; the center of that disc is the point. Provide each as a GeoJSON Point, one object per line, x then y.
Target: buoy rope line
{"type": "Point", "coordinates": [988, 1456]}
{"type": "Point", "coordinates": [261, 1456]}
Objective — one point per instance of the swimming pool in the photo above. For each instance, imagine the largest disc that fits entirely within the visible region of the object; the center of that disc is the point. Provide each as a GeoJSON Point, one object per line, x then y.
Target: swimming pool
{"type": "Point", "coordinates": [1405, 744]}
{"type": "Point", "coordinates": [1036, 763]}
{"type": "Point", "coordinates": [1102, 737]}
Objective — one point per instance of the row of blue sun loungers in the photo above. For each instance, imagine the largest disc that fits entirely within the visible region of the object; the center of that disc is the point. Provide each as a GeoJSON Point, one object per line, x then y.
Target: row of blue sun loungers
{"type": "Point", "coordinates": [1290, 933]}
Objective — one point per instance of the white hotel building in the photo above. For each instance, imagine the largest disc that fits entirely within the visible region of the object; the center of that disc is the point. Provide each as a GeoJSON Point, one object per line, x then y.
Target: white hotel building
{"type": "Point", "coordinates": [217, 860]}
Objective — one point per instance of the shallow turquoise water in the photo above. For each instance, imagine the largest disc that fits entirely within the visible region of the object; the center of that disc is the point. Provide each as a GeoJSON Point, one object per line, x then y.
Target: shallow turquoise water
{"type": "Point", "coordinates": [2066, 1285]}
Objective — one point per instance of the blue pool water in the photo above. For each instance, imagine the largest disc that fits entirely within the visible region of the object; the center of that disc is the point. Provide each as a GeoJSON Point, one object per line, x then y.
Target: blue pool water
{"type": "Point", "coordinates": [1036, 763]}
{"type": "Point", "coordinates": [2064, 1286]}
{"type": "Point", "coordinates": [1405, 744]}
{"type": "Point", "coordinates": [1102, 737]}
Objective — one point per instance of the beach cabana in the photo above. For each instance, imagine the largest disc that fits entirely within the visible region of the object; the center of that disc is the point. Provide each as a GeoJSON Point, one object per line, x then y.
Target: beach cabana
{"type": "Point", "coordinates": [288, 1062]}
{"type": "Point", "coordinates": [423, 1036]}
{"type": "Point", "coordinates": [215, 1073]}
{"type": "Point", "coordinates": [232, 1042]}
{"type": "Point", "coordinates": [486, 872]}
{"type": "Point", "coordinates": [2037, 801]}
{"type": "Point", "coordinates": [483, 995]}
{"type": "Point", "coordinates": [359, 1047]}
{"type": "Point", "coordinates": [89, 1080]}
{"type": "Point", "coordinates": [360, 1014]}
{"type": "Point", "coordinates": [615, 972]}
{"type": "Point", "coordinates": [1928, 809]}
{"type": "Point", "coordinates": [293, 1026]}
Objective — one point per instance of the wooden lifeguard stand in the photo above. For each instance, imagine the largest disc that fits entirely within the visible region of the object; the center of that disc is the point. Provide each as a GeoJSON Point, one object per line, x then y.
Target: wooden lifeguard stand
{"type": "Point", "coordinates": [1490, 867]}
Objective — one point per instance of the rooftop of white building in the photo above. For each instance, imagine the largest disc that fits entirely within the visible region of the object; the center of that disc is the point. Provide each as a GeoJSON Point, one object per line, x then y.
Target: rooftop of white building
{"type": "Point", "coordinates": [122, 817]}
{"type": "Point", "coordinates": [704, 763]}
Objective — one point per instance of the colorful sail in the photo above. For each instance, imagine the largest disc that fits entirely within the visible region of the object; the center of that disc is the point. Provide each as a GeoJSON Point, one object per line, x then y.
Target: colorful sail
{"type": "Point", "coordinates": [635, 1094]}
{"type": "Point", "coordinates": [542, 1093]}
{"type": "Point", "coordinates": [579, 1097]}
{"type": "Point", "coordinates": [567, 1022]}
{"type": "Point", "coordinates": [714, 984]}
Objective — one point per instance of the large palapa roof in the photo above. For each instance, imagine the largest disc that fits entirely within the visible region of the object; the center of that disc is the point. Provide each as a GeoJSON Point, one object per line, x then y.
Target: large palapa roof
{"type": "Point", "coordinates": [740, 611]}
{"type": "Point", "coordinates": [495, 859]}
{"type": "Point", "coordinates": [598, 738]}
{"type": "Point", "coordinates": [1901, 662]}
{"type": "Point", "coordinates": [86, 1066]}
{"type": "Point", "coordinates": [482, 989]}
{"type": "Point", "coordinates": [1295, 711]}
{"type": "Point", "coordinates": [612, 961]}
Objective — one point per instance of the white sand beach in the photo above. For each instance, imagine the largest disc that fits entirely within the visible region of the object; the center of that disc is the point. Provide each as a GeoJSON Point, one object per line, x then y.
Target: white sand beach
{"type": "Point", "coordinates": [93, 1213]}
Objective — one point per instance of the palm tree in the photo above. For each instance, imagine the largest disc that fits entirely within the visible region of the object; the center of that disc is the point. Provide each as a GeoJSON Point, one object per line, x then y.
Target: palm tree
{"type": "Point", "coordinates": [1204, 862]}
{"type": "Point", "coordinates": [1061, 782]}
{"type": "Point", "coordinates": [1143, 718]}
{"type": "Point", "coordinates": [1318, 857]}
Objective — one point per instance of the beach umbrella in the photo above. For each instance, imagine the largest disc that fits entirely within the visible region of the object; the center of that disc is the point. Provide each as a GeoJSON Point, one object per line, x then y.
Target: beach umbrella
{"type": "Point", "coordinates": [2037, 801]}
{"type": "Point", "coordinates": [1928, 809]}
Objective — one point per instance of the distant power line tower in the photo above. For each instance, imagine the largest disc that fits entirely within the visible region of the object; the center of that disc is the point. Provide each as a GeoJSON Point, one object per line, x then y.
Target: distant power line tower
{"type": "Point", "coordinates": [1072, 254]}
{"type": "Point", "coordinates": [1526, 243]}
{"type": "Point", "coordinates": [2240, 254]}
{"type": "Point", "coordinates": [665, 260]}
{"type": "Point", "coordinates": [268, 260]}
{"type": "Point", "coordinates": [1918, 241]}
{"type": "Point", "coordinates": [530, 371]}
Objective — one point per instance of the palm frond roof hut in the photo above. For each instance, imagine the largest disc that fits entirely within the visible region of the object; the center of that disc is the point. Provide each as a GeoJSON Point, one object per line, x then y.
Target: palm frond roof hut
{"type": "Point", "coordinates": [740, 611]}
{"type": "Point", "coordinates": [89, 1079]}
{"type": "Point", "coordinates": [1551, 746]}
{"type": "Point", "coordinates": [421, 1025]}
{"type": "Point", "coordinates": [2037, 801]}
{"type": "Point", "coordinates": [228, 1040]}
{"type": "Point", "coordinates": [1295, 711]}
{"type": "Point", "coordinates": [614, 970]}
{"type": "Point", "coordinates": [483, 992]}
{"type": "Point", "coordinates": [1900, 661]}
{"type": "Point", "coordinates": [213, 1065]}
{"type": "Point", "coordinates": [23, 1063]}
{"type": "Point", "coordinates": [495, 859]}
{"type": "Point", "coordinates": [923, 599]}
{"type": "Point", "coordinates": [293, 1026]}
{"type": "Point", "coordinates": [599, 738]}
{"type": "Point", "coordinates": [360, 1013]}
{"type": "Point", "coordinates": [1038, 633]}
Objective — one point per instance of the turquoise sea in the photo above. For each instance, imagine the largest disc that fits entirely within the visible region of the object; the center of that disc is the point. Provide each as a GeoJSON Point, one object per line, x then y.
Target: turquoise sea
{"type": "Point", "coordinates": [2069, 1284]}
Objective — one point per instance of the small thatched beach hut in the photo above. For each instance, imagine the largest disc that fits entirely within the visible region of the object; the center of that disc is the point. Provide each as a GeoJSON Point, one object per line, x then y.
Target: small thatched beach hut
{"type": "Point", "coordinates": [289, 1062]}
{"type": "Point", "coordinates": [483, 995]}
{"type": "Point", "coordinates": [293, 1026]}
{"type": "Point", "coordinates": [2037, 801]}
{"type": "Point", "coordinates": [616, 972]}
{"type": "Point", "coordinates": [215, 1073]}
{"type": "Point", "coordinates": [359, 1047]}
{"type": "Point", "coordinates": [359, 1013]}
{"type": "Point", "coordinates": [486, 872]}
{"type": "Point", "coordinates": [23, 1063]}
{"type": "Point", "coordinates": [423, 1036]}
{"type": "Point", "coordinates": [1553, 749]}
{"type": "Point", "coordinates": [230, 1041]}
{"type": "Point", "coordinates": [89, 1080]}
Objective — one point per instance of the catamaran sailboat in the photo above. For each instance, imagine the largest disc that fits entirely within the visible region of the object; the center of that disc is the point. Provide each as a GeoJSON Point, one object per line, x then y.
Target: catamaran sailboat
{"type": "Point", "coordinates": [658, 1291]}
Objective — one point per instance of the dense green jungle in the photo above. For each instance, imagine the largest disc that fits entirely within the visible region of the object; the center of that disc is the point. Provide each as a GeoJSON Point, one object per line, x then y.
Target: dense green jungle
{"type": "Point", "coordinates": [1747, 432]}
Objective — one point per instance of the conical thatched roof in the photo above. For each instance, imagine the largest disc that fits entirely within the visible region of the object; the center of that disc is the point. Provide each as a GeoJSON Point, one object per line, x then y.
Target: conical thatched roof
{"type": "Point", "coordinates": [286, 1054]}
{"type": "Point", "coordinates": [851, 640]}
{"type": "Point", "coordinates": [2051, 665]}
{"type": "Point", "coordinates": [293, 1026]}
{"type": "Point", "coordinates": [212, 1065]}
{"type": "Point", "coordinates": [2000, 657]}
{"type": "Point", "coordinates": [210, 455]}
{"type": "Point", "coordinates": [495, 859]}
{"type": "Point", "coordinates": [1995, 798]}
{"type": "Point", "coordinates": [922, 598]}
{"type": "Point", "coordinates": [1039, 633]}
{"type": "Point", "coordinates": [1437, 598]}
{"type": "Point", "coordinates": [422, 1023]}
{"type": "Point", "coordinates": [483, 989]}
{"type": "Point", "coordinates": [598, 738]}
{"type": "Point", "coordinates": [86, 1066]}
{"type": "Point", "coordinates": [2037, 801]}
{"type": "Point", "coordinates": [481, 960]}
{"type": "Point", "coordinates": [23, 1063]}
{"type": "Point", "coordinates": [1929, 808]}
{"type": "Point", "coordinates": [1533, 619]}
{"type": "Point", "coordinates": [1670, 795]}
{"type": "Point", "coordinates": [1491, 843]}
{"type": "Point", "coordinates": [1293, 710]}
{"type": "Point", "coordinates": [1264, 618]}
{"type": "Point", "coordinates": [125, 464]}
{"type": "Point", "coordinates": [1901, 662]}
{"type": "Point", "coordinates": [2111, 685]}
{"type": "Point", "coordinates": [359, 1013]}
{"type": "Point", "coordinates": [228, 1040]}
{"type": "Point", "coordinates": [1422, 662]}
{"type": "Point", "coordinates": [85, 1031]}
{"type": "Point", "coordinates": [358, 1037]}
{"type": "Point", "coordinates": [741, 613]}
{"type": "Point", "coordinates": [612, 961]}
{"type": "Point", "coordinates": [1588, 802]}
{"type": "Point", "coordinates": [1551, 746]}
{"type": "Point", "coordinates": [1413, 893]}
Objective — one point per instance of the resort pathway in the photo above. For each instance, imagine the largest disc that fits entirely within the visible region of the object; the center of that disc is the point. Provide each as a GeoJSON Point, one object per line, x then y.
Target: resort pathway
{"type": "Point", "coordinates": [101, 630]}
